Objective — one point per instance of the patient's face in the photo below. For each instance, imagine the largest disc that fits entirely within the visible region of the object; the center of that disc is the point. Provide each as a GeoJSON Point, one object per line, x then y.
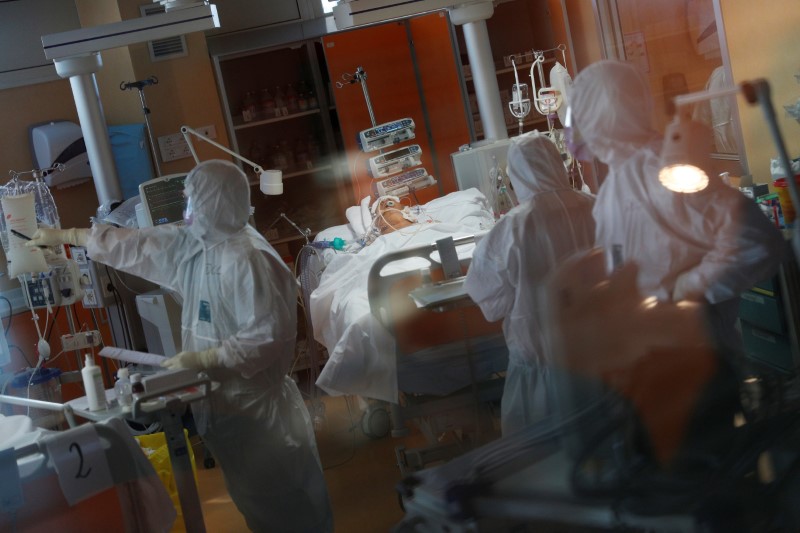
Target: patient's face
{"type": "Point", "coordinates": [390, 217]}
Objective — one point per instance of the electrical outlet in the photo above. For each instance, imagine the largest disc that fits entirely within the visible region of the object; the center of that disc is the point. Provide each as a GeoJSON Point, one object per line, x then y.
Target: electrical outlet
{"type": "Point", "coordinates": [80, 340]}
{"type": "Point", "coordinates": [174, 146]}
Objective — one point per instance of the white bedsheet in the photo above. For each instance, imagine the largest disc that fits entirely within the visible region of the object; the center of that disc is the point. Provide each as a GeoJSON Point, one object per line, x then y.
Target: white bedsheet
{"type": "Point", "coordinates": [361, 352]}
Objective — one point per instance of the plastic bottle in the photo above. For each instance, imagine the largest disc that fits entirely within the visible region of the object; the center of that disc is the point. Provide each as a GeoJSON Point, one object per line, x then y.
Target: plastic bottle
{"type": "Point", "coordinates": [93, 384]}
{"type": "Point", "coordinates": [123, 390]}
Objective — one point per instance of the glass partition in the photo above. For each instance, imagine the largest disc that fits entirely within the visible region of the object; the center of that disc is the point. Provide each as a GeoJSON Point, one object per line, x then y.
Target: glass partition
{"type": "Point", "coordinates": [680, 46]}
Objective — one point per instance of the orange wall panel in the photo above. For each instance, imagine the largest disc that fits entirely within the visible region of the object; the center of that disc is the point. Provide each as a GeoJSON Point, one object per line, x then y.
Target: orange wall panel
{"type": "Point", "coordinates": [384, 53]}
{"type": "Point", "coordinates": [438, 67]}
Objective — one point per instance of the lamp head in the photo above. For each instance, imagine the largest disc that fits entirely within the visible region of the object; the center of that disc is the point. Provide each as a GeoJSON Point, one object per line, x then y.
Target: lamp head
{"type": "Point", "coordinates": [685, 155]}
{"type": "Point", "coordinates": [270, 181]}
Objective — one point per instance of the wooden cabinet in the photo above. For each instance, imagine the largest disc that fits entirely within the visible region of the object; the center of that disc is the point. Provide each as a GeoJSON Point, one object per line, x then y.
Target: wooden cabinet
{"type": "Point", "coordinates": [277, 107]}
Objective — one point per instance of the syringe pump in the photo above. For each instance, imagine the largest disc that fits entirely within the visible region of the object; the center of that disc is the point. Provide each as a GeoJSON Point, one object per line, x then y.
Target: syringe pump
{"type": "Point", "coordinates": [401, 184]}
{"type": "Point", "coordinates": [387, 134]}
{"type": "Point", "coordinates": [384, 165]}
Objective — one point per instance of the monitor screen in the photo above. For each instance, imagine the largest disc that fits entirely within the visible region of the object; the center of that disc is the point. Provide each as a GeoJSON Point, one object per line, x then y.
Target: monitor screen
{"type": "Point", "coordinates": [163, 200]}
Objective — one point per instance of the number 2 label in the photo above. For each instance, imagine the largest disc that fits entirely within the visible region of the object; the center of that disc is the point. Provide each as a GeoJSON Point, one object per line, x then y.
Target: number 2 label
{"type": "Point", "coordinates": [80, 461]}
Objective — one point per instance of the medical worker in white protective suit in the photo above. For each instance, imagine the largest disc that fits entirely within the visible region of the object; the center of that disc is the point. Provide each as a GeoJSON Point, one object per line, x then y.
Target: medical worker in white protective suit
{"type": "Point", "coordinates": [239, 325]}
{"type": "Point", "coordinates": [510, 264]}
{"type": "Point", "coordinates": [707, 246]}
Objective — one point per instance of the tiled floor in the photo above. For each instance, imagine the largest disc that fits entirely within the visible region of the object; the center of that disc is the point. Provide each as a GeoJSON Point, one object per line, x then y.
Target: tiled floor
{"type": "Point", "coordinates": [361, 474]}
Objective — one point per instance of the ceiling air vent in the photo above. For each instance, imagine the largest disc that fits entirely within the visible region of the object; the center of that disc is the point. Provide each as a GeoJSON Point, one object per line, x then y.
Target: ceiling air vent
{"type": "Point", "coordinates": [162, 49]}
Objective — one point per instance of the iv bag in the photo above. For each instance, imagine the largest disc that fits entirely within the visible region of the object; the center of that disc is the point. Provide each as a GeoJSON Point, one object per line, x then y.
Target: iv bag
{"type": "Point", "coordinates": [46, 212]}
{"type": "Point", "coordinates": [19, 214]}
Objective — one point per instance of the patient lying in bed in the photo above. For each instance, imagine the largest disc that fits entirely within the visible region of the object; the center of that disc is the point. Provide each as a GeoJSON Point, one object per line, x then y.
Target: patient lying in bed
{"type": "Point", "coordinates": [360, 351]}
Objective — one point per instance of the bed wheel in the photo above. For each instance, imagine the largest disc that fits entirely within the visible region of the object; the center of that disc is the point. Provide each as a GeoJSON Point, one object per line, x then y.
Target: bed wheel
{"type": "Point", "coordinates": [375, 422]}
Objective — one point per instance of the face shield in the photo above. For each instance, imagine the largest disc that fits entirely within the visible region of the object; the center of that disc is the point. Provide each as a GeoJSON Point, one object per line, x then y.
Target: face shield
{"type": "Point", "coordinates": [574, 140]}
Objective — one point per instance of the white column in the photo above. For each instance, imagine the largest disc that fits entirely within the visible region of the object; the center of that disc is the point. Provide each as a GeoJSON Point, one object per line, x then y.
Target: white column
{"type": "Point", "coordinates": [80, 71]}
{"type": "Point", "coordinates": [473, 18]}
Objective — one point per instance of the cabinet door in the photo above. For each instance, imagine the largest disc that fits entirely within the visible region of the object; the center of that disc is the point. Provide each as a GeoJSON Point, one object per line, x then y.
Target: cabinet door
{"type": "Point", "coordinates": [411, 73]}
{"type": "Point", "coordinates": [279, 120]}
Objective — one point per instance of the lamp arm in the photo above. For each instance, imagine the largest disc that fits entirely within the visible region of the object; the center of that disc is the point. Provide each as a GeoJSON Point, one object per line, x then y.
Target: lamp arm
{"type": "Point", "coordinates": [758, 92]}
{"type": "Point", "coordinates": [702, 96]}
{"type": "Point", "coordinates": [186, 131]}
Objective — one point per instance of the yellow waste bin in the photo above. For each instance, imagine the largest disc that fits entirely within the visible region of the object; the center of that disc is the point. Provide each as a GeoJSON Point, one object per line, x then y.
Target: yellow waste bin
{"type": "Point", "coordinates": [155, 447]}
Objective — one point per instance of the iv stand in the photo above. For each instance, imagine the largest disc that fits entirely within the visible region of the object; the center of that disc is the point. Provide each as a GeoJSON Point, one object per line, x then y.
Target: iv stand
{"type": "Point", "coordinates": [360, 77]}
{"type": "Point", "coordinates": [140, 85]}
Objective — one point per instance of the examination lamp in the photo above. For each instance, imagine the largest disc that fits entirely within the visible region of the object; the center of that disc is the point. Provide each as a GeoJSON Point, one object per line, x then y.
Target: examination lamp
{"type": "Point", "coordinates": [270, 181]}
{"type": "Point", "coordinates": [682, 138]}
{"type": "Point", "coordinates": [686, 153]}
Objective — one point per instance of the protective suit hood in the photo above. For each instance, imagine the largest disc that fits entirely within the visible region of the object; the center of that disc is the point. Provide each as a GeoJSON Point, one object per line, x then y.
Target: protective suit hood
{"type": "Point", "coordinates": [612, 107]}
{"type": "Point", "coordinates": [220, 197]}
{"type": "Point", "coordinates": [535, 165]}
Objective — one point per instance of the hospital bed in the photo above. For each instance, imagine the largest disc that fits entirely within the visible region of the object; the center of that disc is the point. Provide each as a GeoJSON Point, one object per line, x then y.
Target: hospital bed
{"type": "Point", "coordinates": [91, 477]}
{"type": "Point", "coordinates": [427, 365]}
{"type": "Point", "coordinates": [66, 476]}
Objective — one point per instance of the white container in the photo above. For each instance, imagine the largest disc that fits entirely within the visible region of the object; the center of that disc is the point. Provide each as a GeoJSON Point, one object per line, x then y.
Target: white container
{"type": "Point", "coordinates": [93, 384]}
{"type": "Point", "coordinates": [123, 390]}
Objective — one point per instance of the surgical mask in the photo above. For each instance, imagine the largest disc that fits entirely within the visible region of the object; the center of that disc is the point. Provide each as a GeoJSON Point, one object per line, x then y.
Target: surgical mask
{"type": "Point", "coordinates": [574, 140]}
{"type": "Point", "coordinates": [188, 212]}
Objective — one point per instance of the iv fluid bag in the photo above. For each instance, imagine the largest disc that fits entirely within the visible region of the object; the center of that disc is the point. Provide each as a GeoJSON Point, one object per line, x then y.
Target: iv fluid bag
{"type": "Point", "coordinates": [44, 204]}
{"type": "Point", "coordinates": [19, 214]}
{"type": "Point", "coordinates": [46, 212]}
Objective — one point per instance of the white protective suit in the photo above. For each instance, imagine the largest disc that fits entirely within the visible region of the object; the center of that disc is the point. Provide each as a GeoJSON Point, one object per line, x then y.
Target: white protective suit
{"type": "Point", "coordinates": [713, 244]}
{"type": "Point", "coordinates": [239, 299]}
{"type": "Point", "coordinates": [510, 264]}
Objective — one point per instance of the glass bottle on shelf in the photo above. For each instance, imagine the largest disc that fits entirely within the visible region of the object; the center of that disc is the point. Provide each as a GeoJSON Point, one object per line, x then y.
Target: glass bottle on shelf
{"type": "Point", "coordinates": [286, 148]}
{"type": "Point", "coordinates": [314, 151]}
{"type": "Point", "coordinates": [249, 107]}
{"type": "Point", "coordinates": [280, 103]}
{"type": "Point", "coordinates": [302, 98]}
{"type": "Point", "coordinates": [301, 157]}
{"type": "Point", "coordinates": [279, 158]}
{"type": "Point", "coordinates": [267, 103]}
{"type": "Point", "coordinates": [291, 99]}
{"type": "Point", "coordinates": [256, 152]}
{"type": "Point", "coordinates": [312, 100]}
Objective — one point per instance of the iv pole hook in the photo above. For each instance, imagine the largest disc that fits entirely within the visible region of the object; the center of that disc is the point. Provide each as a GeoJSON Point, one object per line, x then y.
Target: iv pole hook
{"type": "Point", "coordinates": [140, 85]}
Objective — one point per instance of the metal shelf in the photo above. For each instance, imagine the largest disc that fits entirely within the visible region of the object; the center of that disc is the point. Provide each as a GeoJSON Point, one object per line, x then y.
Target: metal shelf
{"type": "Point", "coordinates": [240, 125]}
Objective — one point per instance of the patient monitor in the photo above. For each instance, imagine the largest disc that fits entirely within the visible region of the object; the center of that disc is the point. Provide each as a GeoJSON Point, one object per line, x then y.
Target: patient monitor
{"type": "Point", "coordinates": [162, 201]}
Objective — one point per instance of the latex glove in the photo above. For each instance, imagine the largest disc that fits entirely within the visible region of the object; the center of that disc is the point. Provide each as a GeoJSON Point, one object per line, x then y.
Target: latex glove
{"type": "Point", "coordinates": [686, 290]}
{"type": "Point", "coordinates": [57, 237]}
{"type": "Point", "coordinates": [196, 360]}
